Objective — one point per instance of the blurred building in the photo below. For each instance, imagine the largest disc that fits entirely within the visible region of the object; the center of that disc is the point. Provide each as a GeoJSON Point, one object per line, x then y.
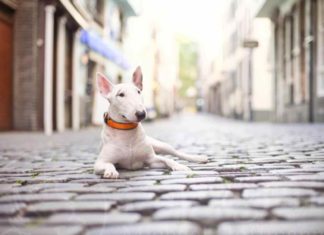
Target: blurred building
{"type": "Point", "coordinates": [240, 85]}
{"type": "Point", "coordinates": [298, 62]}
{"type": "Point", "coordinates": [50, 51]}
{"type": "Point", "coordinates": [152, 44]}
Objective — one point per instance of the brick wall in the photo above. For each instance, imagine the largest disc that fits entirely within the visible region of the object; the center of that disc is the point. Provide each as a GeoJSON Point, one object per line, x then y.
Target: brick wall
{"type": "Point", "coordinates": [26, 82]}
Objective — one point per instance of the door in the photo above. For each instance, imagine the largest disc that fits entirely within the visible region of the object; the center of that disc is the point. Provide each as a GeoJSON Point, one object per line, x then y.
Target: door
{"type": "Point", "coordinates": [6, 92]}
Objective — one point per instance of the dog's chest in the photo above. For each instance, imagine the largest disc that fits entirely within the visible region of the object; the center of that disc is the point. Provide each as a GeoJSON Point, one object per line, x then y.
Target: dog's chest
{"type": "Point", "coordinates": [129, 152]}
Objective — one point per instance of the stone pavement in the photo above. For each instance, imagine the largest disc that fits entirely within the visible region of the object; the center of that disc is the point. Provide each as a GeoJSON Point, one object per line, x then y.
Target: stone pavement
{"type": "Point", "coordinates": [260, 179]}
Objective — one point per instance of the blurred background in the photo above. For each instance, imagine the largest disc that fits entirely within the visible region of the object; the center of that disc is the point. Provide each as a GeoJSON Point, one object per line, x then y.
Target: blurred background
{"type": "Point", "coordinates": [253, 60]}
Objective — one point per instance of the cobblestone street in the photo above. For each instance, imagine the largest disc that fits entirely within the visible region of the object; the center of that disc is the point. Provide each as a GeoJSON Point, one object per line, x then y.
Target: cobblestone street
{"type": "Point", "coordinates": [260, 179]}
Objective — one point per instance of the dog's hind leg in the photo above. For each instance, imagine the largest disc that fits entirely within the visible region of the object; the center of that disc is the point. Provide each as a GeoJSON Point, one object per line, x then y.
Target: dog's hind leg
{"type": "Point", "coordinates": [164, 148]}
{"type": "Point", "coordinates": [159, 161]}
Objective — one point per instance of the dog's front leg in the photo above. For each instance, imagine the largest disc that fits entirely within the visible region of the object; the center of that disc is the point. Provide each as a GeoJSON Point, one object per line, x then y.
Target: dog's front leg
{"type": "Point", "coordinates": [107, 169]}
{"type": "Point", "coordinates": [158, 161]}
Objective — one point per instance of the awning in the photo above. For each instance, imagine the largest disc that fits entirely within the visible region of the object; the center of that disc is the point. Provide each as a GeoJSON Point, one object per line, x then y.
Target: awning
{"type": "Point", "coordinates": [267, 8]}
{"type": "Point", "coordinates": [126, 7]}
{"type": "Point", "coordinates": [97, 44]}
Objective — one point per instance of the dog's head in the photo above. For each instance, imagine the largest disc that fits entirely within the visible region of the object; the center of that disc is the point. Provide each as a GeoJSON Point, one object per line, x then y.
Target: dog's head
{"type": "Point", "coordinates": [126, 101]}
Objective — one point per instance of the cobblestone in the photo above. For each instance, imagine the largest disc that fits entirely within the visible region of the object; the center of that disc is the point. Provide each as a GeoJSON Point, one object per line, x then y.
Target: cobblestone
{"type": "Point", "coordinates": [208, 215]}
{"type": "Point", "coordinates": [76, 206]}
{"type": "Point", "coordinates": [200, 180]}
{"type": "Point", "coordinates": [54, 230]}
{"type": "Point", "coordinates": [278, 192]}
{"type": "Point", "coordinates": [271, 227]}
{"type": "Point", "coordinates": [92, 219]}
{"type": "Point", "coordinates": [300, 213]}
{"type": "Point", "coordinates": [265, 203]}
{"type": "Point", "coordinates": [155, 188]}
{"type": "Point", "coordinates": [174, 228]}
{"type": "Point", "coordinates": [154, 205]}
{"type": "Point", "coordinates": [197, 195]}
{"type": "Point", "coordinates": [121, 197]}
{"type": "Point", "coordinates": [11, 209]}
{"type": "Point", "coordinates": [228, 186]}
{"type": "Point", "coordinates": [260, 179]}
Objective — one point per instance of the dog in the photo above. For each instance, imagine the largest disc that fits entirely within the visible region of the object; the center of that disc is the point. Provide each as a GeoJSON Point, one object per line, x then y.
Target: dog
{"type": "Point", "coordinates": [124, 142]}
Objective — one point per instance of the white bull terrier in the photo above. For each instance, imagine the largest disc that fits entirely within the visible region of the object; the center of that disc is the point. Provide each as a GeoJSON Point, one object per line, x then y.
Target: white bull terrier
{"type": "Point", "coordinates": [124, 142]}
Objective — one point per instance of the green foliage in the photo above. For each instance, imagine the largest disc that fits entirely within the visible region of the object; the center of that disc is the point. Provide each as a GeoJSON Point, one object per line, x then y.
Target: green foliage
{"type": "Point", "coordinates": [227, 181]}
{"type": "Point", "coordinates": [21, 182]}
{"type": "Point", "coordinates": [187, 65]}
{"type": "Point", "coordinates": [34, 174]}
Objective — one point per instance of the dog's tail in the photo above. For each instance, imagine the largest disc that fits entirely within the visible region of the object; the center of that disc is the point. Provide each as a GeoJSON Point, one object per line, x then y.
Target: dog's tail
{"type": "Point", "coordinates": [164, 148]}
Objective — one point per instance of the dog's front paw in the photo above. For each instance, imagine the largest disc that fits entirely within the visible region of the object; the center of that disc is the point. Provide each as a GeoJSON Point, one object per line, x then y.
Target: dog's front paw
{"type": "Point", "coordinates": [200, 158]}
{"type": "Point", "coordinates": [110, 174]}
{"type": "Point", "coordinates": [180, 167]}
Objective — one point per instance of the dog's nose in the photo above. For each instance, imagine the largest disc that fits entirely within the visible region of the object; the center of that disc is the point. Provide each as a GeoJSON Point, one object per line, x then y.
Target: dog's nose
{"type": "Point", "coordinates": [140, 115]}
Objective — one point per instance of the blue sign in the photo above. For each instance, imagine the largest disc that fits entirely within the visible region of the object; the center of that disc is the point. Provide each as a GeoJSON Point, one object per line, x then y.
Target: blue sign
{"type": "Point", "coordinates": [97, 44]}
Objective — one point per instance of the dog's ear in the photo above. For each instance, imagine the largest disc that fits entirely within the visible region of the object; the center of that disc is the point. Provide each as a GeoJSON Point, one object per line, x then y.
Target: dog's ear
{"type": "Point", "coordinates": [104, 85]}
{"type": "Point", "coordinates": [138, 78]}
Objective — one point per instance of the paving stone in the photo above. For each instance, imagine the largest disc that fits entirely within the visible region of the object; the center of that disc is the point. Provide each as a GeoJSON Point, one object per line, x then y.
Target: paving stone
{"type": "Point", "coordinates": [120, 197]}
{"type": "Point", "coordinates": [317, 200]}
{"type": "Point", "coordinates": [265, 203]}
{"type": "Point", "coordinates": [174, 228]}
{"type": "Point", "coordinates": [93, 218]}
{"type": "Point", "coordinates": [80, 190]}
{"type": "Point", "coordinates": [130, 174]}
{"type": "Point", "coordinates": [278, 192]}
{"type": "Point", "coordinates": [193, 180]}
{"type": "Point", "coordinates": [34, 188]}
{"type": "Point", "coordinates": [197, 195]}
{"type": "Point", "coordinates": [14, 221]}
{"type": "Point", "coordinates": [40, 179]}
{"type": "Point", "coordinates": [36, 197]}
{"type": "Point", "coordinates": [159, 177]}
{"type": "Point", "coordinates": [270, 167]}
{"type": "Point", "coordinates": [271, 227]}
{"type": "Point", "coordinates": [11, 209]}
{"type": "Point", "coordinates": [299, 213]}
{"type": "Point", "coordinates": [314, 177]}
{"type": "Point", "coordinates": [194, 173]}
{"type": "Point", "coordinates": [125, 184]}
{"type": "Point", "coordinates": [154, 205]}
{"type": "Point", "coordinates": [209, 215]}
{"type": "Point", "coordinates": [228, 186]}
{"type": "Point", "coordinates": [255, 179]}
{"type": "Point", "coordinates": [155, 188]}
{"type": "Point", "coordinates": [54, 230]}
{"type": "Point", "coordinates": [294, 171]}
{"type": "Point", "coordinates": [70, 206]}
{"type": "Point", "coordinates": [294, 184]}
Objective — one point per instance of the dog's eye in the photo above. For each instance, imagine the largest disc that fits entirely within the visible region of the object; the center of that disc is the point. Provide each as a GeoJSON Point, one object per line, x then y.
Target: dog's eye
{"type": "Point", "coordinates": [121, 94]}
{"type": "Point", "coordinates": [138, 91]}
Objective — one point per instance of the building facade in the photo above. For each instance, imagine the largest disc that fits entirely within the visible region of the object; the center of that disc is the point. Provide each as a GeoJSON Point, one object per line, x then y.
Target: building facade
{"type": "Point", "coordinates": [50, 51]}
{"type": "Point", "coordinates": [298, 48]}
{"type": "Point", "coordinates": [241, 87]}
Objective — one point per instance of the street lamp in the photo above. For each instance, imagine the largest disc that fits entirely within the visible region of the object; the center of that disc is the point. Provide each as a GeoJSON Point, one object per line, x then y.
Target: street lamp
{"type": "Point", "coordinates": [250, 44]}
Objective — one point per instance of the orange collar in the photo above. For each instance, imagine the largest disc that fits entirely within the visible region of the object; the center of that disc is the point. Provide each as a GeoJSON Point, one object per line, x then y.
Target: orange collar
{"type": "Point", "coordinates": [119, 125]}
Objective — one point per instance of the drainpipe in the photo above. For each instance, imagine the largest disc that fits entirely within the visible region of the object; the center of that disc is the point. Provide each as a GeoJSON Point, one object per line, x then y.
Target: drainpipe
{"type": "Point", "coordinates": [48, 70]}
{"type": "Point", "coordinates": [60, 71]}
{"type": "Point", "coordinates": [75, 80]}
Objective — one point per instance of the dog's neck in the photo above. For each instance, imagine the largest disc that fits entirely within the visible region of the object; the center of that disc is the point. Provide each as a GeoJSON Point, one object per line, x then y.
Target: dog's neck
{"type": "Point", "coordinates": [115, 122]}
